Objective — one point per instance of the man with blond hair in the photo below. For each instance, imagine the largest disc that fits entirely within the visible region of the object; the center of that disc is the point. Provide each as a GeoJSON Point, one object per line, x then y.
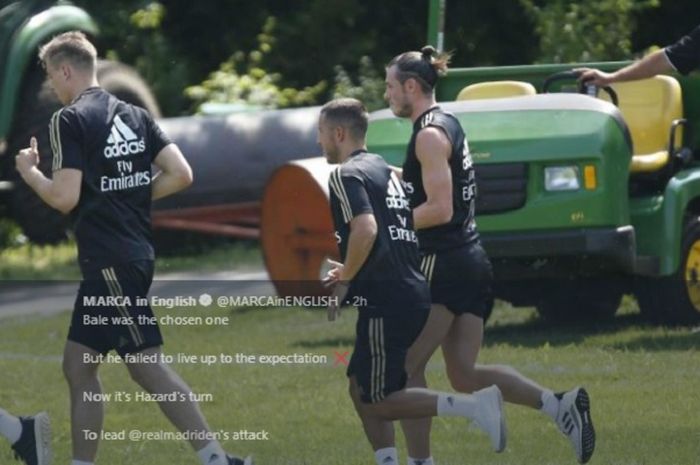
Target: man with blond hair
{"type": "Point", "coordinates": [103, 149]}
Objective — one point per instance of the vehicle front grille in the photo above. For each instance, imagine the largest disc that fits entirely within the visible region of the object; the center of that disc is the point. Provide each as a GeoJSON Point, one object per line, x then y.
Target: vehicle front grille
{"type": "Point", "coordinates": [500, 187]}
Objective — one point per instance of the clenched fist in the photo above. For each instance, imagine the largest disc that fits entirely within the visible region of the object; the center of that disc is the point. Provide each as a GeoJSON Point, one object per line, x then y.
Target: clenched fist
{"type": "Point", "coordinates": [27, 158]}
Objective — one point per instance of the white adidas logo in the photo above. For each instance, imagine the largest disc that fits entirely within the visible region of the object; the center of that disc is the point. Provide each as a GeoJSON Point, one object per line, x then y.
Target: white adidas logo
{"type": "Point", "coordinates": [396, 197]}
{"type": "Point", "coordinates": [122, 141]}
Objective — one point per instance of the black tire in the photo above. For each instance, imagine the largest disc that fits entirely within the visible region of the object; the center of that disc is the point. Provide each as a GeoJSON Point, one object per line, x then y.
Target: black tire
{"type": "Point", "coordinates": [124, 82]}
{"type": "Point", "coordinates": [675, 299]}
{"type": "Point", "coordinates": [39, 222]}
{"type": "Point", "coordinates": [580, 301]}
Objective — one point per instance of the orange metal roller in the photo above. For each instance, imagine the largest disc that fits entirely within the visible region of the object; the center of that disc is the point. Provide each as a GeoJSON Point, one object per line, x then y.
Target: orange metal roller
{"type": "Point", "coordinates": [297, 228]}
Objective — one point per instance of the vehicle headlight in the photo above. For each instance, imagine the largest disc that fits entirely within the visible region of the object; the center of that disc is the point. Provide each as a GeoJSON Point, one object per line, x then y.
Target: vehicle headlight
{"type": "Point", "coordinates": [561, 178]}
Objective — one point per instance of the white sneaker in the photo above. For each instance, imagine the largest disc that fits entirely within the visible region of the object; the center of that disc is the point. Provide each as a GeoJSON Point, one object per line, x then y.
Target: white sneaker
{"type": "Point", "coordinates": [34, 445]}
{"type": "Point", "coordinates": [490, 417]}
{"type": "Point", "coordinates": [575, 422]}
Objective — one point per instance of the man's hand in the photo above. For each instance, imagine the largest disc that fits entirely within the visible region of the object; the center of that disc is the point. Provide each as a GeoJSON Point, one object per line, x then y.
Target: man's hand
{"type": "Point", "coordinates": [340, 291]}
{"type": "Point", "coordinates": [333, 275]}
{"type": "Point", "coordinates": [340, 288]}
{"type": "Point", "coordinates": [27, 158]}
{"type": "Point", "coordinates": [595, 77]}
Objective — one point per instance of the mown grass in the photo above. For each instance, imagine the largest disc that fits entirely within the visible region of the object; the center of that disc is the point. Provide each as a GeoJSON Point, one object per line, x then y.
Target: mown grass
{"type": "Point", "coordinates": [643, 382]}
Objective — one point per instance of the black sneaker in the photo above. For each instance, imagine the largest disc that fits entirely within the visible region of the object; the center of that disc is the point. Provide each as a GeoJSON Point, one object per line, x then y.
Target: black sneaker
{"type": "Point", "coordinates": [575, 422]}
{"type": "Point", "coordinates": [233, 460]}
{"type": "Point", "coordinates": [34, 445]}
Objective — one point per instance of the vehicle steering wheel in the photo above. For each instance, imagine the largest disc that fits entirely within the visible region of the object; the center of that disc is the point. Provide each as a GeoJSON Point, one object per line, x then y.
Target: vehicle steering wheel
{"type": "Point", "coordinates": [583, 87]}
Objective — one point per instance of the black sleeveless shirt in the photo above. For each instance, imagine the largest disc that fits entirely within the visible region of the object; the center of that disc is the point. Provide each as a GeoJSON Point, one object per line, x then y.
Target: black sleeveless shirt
{"type": "Point", "coordinates": [461, 229]}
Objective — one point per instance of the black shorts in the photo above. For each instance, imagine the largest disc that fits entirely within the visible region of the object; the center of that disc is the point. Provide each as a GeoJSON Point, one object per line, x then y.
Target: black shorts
{"type": "Point", "coordinates": [112, 310]}
{"type": "Point", "coordinates": [460, 279]}
{"type": "Point", "coordinates": [378, 361]}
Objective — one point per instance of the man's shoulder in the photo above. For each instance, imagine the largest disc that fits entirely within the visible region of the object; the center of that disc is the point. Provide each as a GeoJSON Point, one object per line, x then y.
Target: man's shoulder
{"type": "Point", "coordinates": [84, 106]}
{"type": "Point", "coordinates": [363, 164]}
{"type": "Point", "coordinates": [440, 120]}
{"type": "Point", "coordinates": [68, 113]}
{"type": "Point", "coordinates": [440, 117]}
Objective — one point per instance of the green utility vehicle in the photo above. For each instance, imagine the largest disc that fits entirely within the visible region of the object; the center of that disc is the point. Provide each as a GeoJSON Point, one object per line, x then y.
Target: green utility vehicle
{"type": "Point", "coordinates": [26, 102]}
{"type": "Point", "coordinates": [580, 200]}
{"type": "Point", "coordinates": [584, 194]}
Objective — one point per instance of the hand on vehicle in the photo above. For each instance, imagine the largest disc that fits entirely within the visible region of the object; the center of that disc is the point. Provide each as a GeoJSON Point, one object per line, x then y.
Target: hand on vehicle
{"type": "Point", "coordinates": [27, 158]}
{"type": "Point", "coordinates": [594, 76]}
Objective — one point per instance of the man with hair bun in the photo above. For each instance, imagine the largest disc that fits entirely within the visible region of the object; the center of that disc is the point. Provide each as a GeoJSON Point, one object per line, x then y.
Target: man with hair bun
{"type": "Point", "coordinates": [103, 149]}
{"type": "Point", "coordinates": [380, 273]}
{"type": "Point", "coordinates": [439, 177]}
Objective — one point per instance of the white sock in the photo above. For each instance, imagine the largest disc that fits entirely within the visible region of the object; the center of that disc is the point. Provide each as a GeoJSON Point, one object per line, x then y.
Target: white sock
{"type": "Point", "coordinates": [550, 404]}
{"type": "Point", "coordinates": [212, 454]}
{"type": "Point", "coordinates": [80, 462]}
{"type": "Point", "coordinates": [10, 426]}
{"type": "Point", "coordinates": [428, 461]}
{"type": "Point", "coordinates": [456, 405]}
{"type": "Point", "coordinates": [386, 456]}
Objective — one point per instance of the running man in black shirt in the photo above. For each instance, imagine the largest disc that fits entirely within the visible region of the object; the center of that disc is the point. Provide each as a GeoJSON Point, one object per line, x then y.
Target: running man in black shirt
{"type": "Point", "coordinates": [30, 437]}
{"type": "Point", "coordinates": [439, 177]}
{"type": "Point", "coordinates": [102, 154]}
{"type": "Point", "coordinates": [379, 251]}
{"type": "Point", "coordinates": [682, 56]}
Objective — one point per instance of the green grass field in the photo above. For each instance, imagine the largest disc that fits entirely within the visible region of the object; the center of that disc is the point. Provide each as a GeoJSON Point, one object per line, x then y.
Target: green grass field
{"type": "Point", "coordinates": [643, 382]}
{"type": "Point", "coordinates": [59, 262]}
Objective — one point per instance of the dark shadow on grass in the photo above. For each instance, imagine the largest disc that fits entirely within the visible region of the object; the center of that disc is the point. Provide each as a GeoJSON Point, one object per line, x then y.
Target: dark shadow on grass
{"type": "Point", "coordinates": [324, 343]}
{"type": "Point", "coordinates": [242, 310]}
{"type": "Point", "coordinates": [679, 342]}
{"type": "Point", "coordinates": [537, 332]}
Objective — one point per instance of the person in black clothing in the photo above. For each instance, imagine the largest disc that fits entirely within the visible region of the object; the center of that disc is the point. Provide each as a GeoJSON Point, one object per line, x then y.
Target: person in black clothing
{"type": "Point", "coordinates": [103, 149]}
{"type": "Point", "coordinates": [380, 274]}
{"type": "Point", "coordinates": [30, 437]}
{"type": "Point", "coordinates": [682, 56]}
{"type": "Point", "coordinates": [439, 176]}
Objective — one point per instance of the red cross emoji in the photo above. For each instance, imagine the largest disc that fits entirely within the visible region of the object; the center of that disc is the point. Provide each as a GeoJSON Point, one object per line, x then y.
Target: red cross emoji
{"type": "Point", "coordinates": [340, 358]}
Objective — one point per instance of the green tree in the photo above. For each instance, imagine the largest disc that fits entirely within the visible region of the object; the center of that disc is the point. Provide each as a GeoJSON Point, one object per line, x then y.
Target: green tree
{"type": "Point", "coordinates": [133, 32]}
{"type": "Point", "coordinates": [368, 87]}
{"type": "Point", "coordinates": [666, 24]}
{"type": "Point", "coordinates": [242, 79]}
{"type": "Point", "coordinates": [596, 30]}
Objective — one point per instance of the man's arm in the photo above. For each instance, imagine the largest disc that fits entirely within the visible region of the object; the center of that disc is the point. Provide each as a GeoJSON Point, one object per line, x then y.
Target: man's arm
{"type": "Point", "coordinates": [649, 66]}
{"type": "Point", "coordinates": [62, 192]}
{"type": "Point", "coordinates": [433, 151]}
{"type": "Point", "coordinates": [175, 174]}
{"type": "Point", "coordinates": [356, 210]}
{"type": "Point", "coordinates": [363, 233]}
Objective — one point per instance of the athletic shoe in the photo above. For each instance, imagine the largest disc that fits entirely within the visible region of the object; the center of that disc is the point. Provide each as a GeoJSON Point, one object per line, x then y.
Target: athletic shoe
{"type": "Point", "coordinates": [34, 444]}
{"type": "Point", "coordinates": [575, 422]}
{"type": "Point", "coordinates": [233, 460]}
{"type": "Point", "coordinates": [490, 416]}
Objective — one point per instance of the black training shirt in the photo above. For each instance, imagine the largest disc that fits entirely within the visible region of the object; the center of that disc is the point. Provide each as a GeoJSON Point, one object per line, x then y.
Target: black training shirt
{"type": "Point", "coordinates": [113, 143]}
{"type": "Point", "coordinates": [461, 229]}
{"type": "Point", "coordinates": [684, 55]}
{"type": "Point", "coordinates": [390, 277]}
